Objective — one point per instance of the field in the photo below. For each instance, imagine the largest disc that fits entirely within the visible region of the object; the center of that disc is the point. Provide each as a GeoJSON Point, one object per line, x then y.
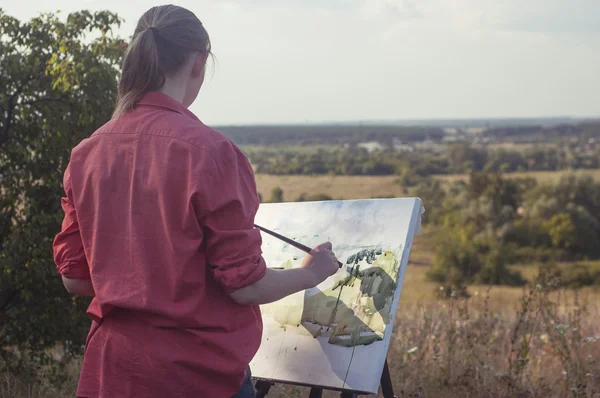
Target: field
{"type": "Point", "coordinates": [500, 342]}
{"type": "Point", "coordinates": [360, 187]}
{"type": "Point", "coordinates": [338, 187]}
{"type": "Point", "coordinates": [503, 341]}
{"type": "Point", "coordinates": [535, 341]}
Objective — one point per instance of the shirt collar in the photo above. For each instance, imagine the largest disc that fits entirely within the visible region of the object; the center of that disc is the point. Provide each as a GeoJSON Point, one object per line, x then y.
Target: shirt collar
{"type": "Point", "coordinates": [160, 100]}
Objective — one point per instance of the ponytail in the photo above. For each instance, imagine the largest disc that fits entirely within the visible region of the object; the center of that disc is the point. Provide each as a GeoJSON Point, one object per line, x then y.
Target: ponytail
{"type": "Point", "coordinates": [163, 39]}
{"type": "Point", "coordinates": [140, 71]}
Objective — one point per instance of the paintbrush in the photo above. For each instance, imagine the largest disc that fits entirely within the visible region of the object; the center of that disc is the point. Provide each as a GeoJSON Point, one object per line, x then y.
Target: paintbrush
{"type": "Point", "coordinates": [289, 241]}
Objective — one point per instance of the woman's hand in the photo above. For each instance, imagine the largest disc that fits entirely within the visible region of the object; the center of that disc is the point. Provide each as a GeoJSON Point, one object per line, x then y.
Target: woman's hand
{"type": "Point", "coordinates": [320, 262]}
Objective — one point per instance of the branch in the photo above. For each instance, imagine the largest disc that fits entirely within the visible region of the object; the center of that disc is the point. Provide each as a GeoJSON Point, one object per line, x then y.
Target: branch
{"type": "Point", "coordinates": [47, 99]}
{"type": "Point", "coordinates": [11, 108]}
{"type": "Point", "coordinates": [8, 300]}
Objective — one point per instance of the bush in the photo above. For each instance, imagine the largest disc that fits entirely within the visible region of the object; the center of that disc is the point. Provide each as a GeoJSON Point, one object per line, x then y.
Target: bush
{"type": "Point", "coordinates": [496, 257]}
{"type": "Point", "coordinates": [408, 178]}
{"type": "Point", "coordinates": [453, 262]}
{"type": "Point", "coordinates": [573, 276]}
{"type": "Point", "coordinates": [276, 195]}
{"type": "Point", "coordinates": [58, 82]}
{"type": "Point", "coordinates": [532, 255]}
{"type": "Point", "coordinates": [433, 195]}
{"type": "Point", "coordinates": [561, 230]}
{"type": "Point", "coordinates": [483, 260]}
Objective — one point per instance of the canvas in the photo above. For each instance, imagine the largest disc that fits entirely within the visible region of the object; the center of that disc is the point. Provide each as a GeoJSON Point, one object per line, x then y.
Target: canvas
{"type": "Point", "coordinates": [336, 335]}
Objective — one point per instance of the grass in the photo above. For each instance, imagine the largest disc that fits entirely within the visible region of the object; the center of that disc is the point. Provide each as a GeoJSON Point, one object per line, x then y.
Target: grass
{"type": "Point", "coordinates": [501, 342]}
{"type": "Point", "coordinates": [40, 387]}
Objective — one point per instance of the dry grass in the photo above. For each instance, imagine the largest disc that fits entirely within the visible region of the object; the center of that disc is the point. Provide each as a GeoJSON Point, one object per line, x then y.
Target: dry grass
{"type": "Point", "coordinates": [40, 387]}
{"type": "Point", "coordinates": [502, 342]}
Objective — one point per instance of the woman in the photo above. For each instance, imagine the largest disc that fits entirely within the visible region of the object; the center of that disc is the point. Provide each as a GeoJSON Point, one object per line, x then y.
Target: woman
{"type": "Point", "coordinates": [158, 228]}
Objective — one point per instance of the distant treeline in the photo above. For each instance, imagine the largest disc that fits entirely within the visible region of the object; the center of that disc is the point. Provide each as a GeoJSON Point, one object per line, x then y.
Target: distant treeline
{"type": "Point", "coordinates": [306, 135]}
{"type": "Point", "coordinates": [327, 135]}
{"type": "Point", "coordinates": [537, 134]}
{"type": "Point", "coordinates": [456, 158]}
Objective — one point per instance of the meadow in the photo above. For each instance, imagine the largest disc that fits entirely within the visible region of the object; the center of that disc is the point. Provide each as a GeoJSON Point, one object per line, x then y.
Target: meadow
{"type": "Point", "coordinates": [501, 342]}
{"type": "Point", "coordinates": [533, 341]}
{"type": "Point", "coordinates": [537, 340]}
{"type": "Point", "coordinates": [363, 187]}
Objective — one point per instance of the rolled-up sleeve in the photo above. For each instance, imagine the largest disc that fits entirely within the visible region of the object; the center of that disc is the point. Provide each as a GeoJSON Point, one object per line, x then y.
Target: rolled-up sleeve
{"type": "Point", "coordinates": [69, 255]}
{"type": "Point", "coordinates": [229, 204]}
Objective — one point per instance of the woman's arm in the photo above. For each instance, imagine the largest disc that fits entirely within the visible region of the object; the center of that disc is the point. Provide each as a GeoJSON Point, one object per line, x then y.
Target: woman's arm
{"type": "Point", "coordinates": [81, 287]}
{"type": "Point", "coordinates": [226, 201]}
{"type": "Point", "coordinates": [69, 255]}
{"type": "Point", "coordinates": [317, 266]}
{"type": "Point", "coordinates": [275, 285]}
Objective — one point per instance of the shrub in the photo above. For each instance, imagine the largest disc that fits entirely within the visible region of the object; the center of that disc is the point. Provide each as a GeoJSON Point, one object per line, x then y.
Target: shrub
{"type": "Point", "coordinates": [482, 260]}
{"type": "Point", "coordinates": [58, 82]}
{"type": "Point", "coordinates": [573, 276]}
{"type": "Point", "coordinates": [276, 195]}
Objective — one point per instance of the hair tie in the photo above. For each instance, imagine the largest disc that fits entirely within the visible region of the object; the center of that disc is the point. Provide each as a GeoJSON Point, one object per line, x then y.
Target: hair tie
{"type": "Point", "coordinates": [155, 31]}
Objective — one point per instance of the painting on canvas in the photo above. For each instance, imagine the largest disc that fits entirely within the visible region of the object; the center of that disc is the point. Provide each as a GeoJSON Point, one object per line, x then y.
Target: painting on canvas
{"type": "Point", "coordinates": [337, 334]}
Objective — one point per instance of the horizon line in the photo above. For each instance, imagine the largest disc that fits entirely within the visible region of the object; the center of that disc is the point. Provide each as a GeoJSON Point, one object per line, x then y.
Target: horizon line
{"type": "Point", "coordinates": [420, 122]}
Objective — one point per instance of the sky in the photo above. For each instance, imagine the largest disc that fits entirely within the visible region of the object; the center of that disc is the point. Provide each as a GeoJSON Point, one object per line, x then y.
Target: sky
{"type": "Point", "coordinates": [310, 61]}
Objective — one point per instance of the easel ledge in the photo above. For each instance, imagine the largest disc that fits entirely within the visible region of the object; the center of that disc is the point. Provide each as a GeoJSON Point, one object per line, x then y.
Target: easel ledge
{"type": "Point", "coordinates": [263, 386]}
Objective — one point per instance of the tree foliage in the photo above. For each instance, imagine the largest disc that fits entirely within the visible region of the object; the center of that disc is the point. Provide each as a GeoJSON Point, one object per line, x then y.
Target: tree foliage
{"type": "Point", "coordinates": [58, 84]}
{"type": "Point", "coordinates": [457, 158]}
{"type": "Point", "coordinates": [490, 222]}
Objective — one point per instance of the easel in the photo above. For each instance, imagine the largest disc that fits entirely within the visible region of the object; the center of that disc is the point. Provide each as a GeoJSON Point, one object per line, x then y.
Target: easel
{"type": "Point", "coordinates": [263, 387]}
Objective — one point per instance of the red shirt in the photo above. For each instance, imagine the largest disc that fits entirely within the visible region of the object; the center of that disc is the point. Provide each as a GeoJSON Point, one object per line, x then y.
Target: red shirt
{"type": "Point", "coordinates": [159, 214]}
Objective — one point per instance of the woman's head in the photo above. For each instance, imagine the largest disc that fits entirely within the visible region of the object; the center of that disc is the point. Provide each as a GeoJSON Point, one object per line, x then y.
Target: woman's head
{"type": "Point", "coordinates": [169, 45]}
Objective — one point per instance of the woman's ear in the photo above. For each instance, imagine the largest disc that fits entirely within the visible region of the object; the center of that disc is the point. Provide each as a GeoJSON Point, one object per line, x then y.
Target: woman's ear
{"type": "Point", "coordinates": [199, 65]}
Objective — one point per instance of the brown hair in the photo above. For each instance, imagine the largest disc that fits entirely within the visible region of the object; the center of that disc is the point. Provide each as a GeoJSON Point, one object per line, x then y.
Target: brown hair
{"type": "Point", "coordinates": [163, 39]}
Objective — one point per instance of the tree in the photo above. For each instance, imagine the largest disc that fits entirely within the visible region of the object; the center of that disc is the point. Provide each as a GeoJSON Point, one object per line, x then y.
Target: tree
{"type": "Point", "coordinates": [464, 158]}
{"type": "Point", "coordinates": [58, 83]}
{"type": "Point", "coordinates": [432, 193]}
{"type": "Point", "coordinates": [561, 230]}
{"type": "Point", "coordinates": [482, 260]}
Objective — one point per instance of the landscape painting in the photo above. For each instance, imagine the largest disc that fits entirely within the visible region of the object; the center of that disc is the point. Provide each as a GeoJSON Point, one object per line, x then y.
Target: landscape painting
{"type": "Point", "coordinates": [337, 334]}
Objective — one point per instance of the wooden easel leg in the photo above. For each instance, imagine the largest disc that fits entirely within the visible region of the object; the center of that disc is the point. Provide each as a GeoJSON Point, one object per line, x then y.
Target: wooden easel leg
{"type": "Point", "coordinates": [262, 388]}
{"type": "Point", "coordinates": [348, 394]}
{"type": "Point", "coordinates": [386, 382]}
{"type": "Point", "coordinates": [316, 392]}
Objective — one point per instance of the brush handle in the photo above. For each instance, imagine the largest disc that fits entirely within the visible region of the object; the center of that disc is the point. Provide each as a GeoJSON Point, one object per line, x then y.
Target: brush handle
{"type": "Point", "coordinates": [289, 241]}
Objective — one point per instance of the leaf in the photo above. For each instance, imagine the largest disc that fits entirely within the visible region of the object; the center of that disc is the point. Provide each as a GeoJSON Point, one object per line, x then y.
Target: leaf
{"type": "Point", "coordinates": [53, 75]}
